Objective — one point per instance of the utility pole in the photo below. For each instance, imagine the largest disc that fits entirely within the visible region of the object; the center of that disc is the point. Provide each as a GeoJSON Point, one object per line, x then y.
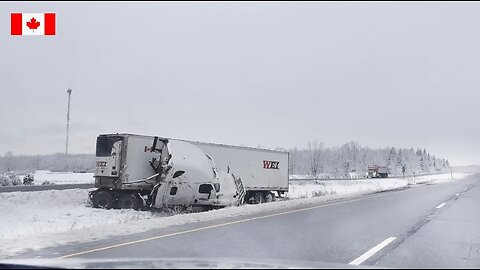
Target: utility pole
{"type": "Point", "coordinates": [69, 92]}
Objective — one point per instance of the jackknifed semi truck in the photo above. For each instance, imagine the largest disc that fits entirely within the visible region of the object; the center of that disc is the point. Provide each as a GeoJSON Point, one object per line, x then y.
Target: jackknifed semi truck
{"type": "Point", "coordinates": [141, 172]}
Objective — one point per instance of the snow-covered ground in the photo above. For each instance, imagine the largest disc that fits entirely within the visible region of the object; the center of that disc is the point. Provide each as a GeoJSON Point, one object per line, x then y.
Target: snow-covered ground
{"type": "Point", "coordinates": [62, 177]}
{"type": "Point", "coordinates": [319, 176]}
{"type": "Point", "coordinates": [35, 220]}
{"type": "Point", "coordinates": [315, 188]}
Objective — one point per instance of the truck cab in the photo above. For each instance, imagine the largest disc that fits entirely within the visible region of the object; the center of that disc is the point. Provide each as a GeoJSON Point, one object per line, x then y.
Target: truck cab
{"type": "Point", "coordinates": [377, 172]}
{"type": "Point", "coordinates": [194, 180]}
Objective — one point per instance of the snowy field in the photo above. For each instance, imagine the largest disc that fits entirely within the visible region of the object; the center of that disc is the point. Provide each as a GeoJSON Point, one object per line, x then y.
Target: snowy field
{"type": "Point", "coordinates": [35, 220]}
{"type": "Point", "coordinates": [62, 177]}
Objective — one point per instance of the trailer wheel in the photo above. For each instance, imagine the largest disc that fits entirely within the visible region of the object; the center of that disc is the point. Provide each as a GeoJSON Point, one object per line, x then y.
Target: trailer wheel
{"type": "Point", "coordinates": [141, 202]}
{"type": "Point", "coordinates": [103, 199]}
{"type": "Point", "coordinates": [259, 198]}
{"type": "Point", "coordinates": [249, 198]}
{"type": "Point", "coordinates": [128, 201]}
{"type": "Point", "coordinates": [269, 197]}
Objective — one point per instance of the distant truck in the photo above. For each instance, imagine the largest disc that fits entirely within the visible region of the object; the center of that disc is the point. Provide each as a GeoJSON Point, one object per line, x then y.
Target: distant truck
{"type": "Point", "coordinates": [136, 171]}
{"type": "Point", "coordinates": [377, 172]}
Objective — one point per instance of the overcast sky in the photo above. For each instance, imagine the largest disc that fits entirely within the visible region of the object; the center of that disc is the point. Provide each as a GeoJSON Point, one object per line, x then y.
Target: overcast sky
{"type": "Point", "coordinates": [269, 74]}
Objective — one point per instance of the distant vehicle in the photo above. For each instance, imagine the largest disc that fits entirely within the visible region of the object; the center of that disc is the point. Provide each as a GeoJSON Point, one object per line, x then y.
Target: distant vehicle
{"type": "Point", "coordinates": [377, 172]}
{"type": "Point", "coordinates": [136, 171]}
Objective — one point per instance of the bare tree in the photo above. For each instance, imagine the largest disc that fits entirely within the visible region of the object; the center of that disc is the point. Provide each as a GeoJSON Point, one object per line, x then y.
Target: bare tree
{"type": "Point", "coordinates": [9, 163]}
{"type": "Point", "coordinates": [340, 161]}
{"type": "Point", "coordinates": [314, 158]}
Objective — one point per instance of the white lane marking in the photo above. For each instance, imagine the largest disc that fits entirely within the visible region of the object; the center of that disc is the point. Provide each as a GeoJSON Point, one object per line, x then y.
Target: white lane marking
{"type": "Point", "coordinates": [372, 251]}
{"type": "Point", "coordinates": [441, 205]}
{"type": "Point", "coordinates": [457, 194]}
{"type": "Point", "coordinates": [218, 225]}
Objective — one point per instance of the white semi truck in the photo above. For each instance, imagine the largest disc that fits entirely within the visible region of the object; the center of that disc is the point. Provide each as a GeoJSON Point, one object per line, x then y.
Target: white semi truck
{"type": "Point", "coordinates": [136, 171]}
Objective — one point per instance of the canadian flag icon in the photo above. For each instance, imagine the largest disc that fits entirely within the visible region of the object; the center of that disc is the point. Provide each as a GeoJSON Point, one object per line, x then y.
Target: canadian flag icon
{"type": "Point", "coordinates": [37, 24]}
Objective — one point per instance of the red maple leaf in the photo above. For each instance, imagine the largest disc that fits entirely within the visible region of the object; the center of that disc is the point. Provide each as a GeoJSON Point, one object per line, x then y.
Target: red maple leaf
{"type": "Point", "coordinates": [33, 24]}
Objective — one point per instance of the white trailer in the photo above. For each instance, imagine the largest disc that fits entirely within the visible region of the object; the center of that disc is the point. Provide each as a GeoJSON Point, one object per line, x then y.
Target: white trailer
{"type": "Point", "coordinates": [262, 171]}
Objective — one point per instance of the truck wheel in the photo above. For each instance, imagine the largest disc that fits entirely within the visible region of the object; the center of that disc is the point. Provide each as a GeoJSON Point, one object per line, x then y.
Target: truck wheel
{"type": "Point", "coordinates": [259, 198]}
{"type": "Point", "coordinates": [141, 202]}
{"type": "Point", "coordinates": [128, 201]}
{"type": "Point", "coordinates": [103, 199]}
{"type": "Point", "coordinates": [269, 197]}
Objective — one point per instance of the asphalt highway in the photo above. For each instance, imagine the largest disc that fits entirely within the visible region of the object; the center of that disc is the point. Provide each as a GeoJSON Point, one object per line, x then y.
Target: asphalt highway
{"type": "Point", "coordinates": [424, 226]}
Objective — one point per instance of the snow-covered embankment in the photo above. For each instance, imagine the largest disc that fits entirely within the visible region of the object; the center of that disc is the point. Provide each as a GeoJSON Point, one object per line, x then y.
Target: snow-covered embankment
{"type": "Point", "coordinates": [315, 188]}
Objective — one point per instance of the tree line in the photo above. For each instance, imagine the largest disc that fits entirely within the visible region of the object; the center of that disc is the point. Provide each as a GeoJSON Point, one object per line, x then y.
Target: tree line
{"type": "Point", "coordinates": [53, 162]}
{"type": "Point", "coordinates": [314, 160]}
{"type": "Point", "coordinates": [318, 161]}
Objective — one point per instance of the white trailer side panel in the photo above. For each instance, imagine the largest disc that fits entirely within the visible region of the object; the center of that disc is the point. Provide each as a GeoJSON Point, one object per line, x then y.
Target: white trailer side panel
{"type": "Point", "coordinates": [259, 169]}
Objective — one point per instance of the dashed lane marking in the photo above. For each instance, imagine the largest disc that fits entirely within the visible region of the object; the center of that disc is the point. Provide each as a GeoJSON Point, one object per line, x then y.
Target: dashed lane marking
{"type": "Point", "coordinates": [365, 256]}
{"type": "Point", "coordinates": [441, 205]}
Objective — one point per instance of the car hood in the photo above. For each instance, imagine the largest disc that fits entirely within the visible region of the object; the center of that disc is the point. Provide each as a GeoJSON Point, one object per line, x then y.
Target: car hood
{"type": "Point", "coordinates": [154, 263]}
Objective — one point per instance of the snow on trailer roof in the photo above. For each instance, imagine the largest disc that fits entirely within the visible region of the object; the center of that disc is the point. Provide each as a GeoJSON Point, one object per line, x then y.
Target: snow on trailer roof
{"type": "Point", "coordinates": [235, 146]}
{"type": "Point", "coordinates": [130, 134]}
{"type": "Point", "coordinates": [217, 144]}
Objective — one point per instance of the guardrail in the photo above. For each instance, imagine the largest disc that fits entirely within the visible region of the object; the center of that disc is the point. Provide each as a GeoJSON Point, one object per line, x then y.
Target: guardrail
{"type": "Point", "coordinates": [45, 187]}
{"type": "Point", "coordinates": [365, 178]}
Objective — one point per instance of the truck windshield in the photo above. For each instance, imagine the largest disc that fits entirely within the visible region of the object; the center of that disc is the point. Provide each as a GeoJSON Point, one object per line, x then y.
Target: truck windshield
{"type": "Point", "coordinates": [205, 189]}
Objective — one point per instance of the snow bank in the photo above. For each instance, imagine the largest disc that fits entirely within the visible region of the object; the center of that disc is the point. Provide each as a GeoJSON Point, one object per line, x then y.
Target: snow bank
{"type": "Point", "coordinates": [440, 178]}
{"type": "Point", "coordinates": [307, 176]}
{"type": "Point", "coordinates": [63, 177]}
{"type": "Point", "coordinates": [55, 211]}
{"type": "Point", "coordinates": [35, 220]}
{"type": "Point", "coordinates": [315, 188]}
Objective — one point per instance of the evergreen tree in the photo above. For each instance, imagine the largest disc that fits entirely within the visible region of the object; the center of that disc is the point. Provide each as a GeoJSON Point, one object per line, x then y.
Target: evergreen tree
{"type": "Point", "coordinates": [391, 160]}
{"type": "Point", "coordinates": [400, 161]}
